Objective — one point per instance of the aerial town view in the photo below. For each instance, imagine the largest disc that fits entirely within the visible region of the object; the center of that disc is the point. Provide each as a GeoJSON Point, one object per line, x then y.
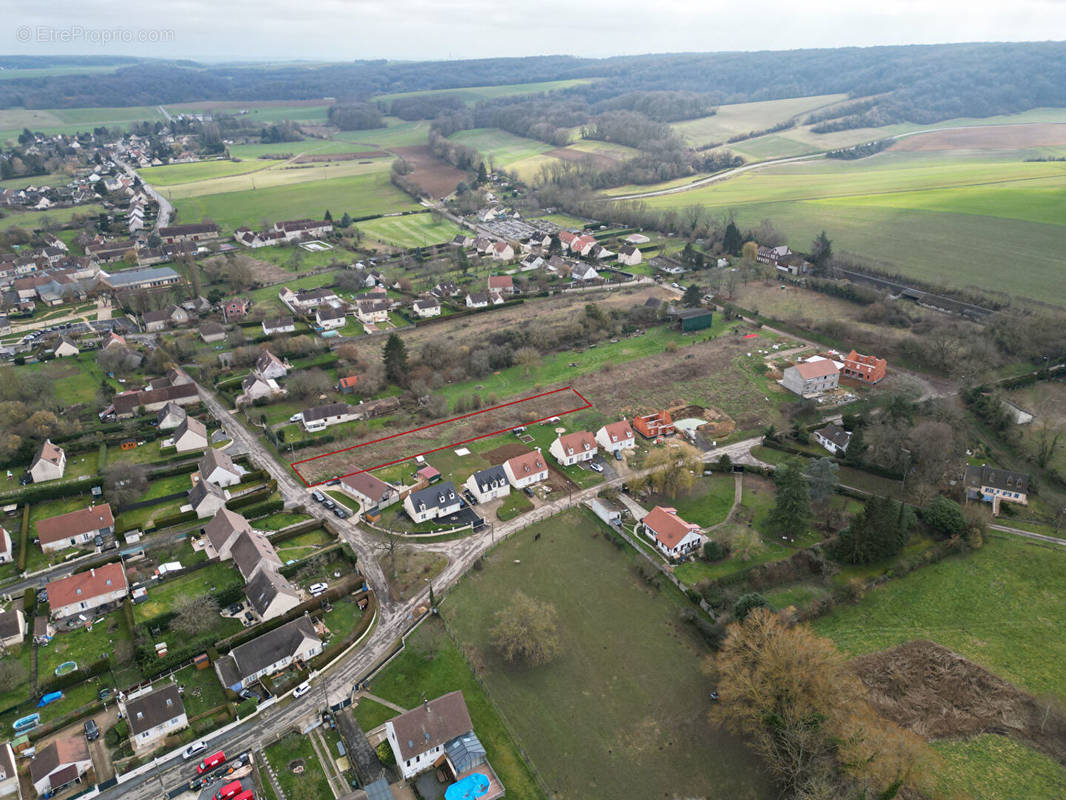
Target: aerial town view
{"type": "Point", "coordinates": [427, 402]}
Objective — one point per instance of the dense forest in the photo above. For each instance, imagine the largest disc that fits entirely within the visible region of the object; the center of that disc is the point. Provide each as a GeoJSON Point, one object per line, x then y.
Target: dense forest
{"type": "Point", "coordinates": [918, 83]}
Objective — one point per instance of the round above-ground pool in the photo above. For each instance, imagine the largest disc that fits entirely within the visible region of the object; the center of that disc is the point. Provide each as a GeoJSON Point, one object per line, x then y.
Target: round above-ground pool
{"type": "Point", "coordinates": [469, 788]}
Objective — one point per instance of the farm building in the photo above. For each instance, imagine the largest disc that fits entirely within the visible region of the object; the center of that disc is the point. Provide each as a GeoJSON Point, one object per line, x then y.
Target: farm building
{"type": "Point", "coordinates": [694, 319]}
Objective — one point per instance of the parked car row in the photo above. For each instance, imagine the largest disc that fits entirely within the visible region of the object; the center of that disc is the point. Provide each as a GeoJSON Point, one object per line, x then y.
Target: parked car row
{"type": "Point", "coordinates": [337, 509]}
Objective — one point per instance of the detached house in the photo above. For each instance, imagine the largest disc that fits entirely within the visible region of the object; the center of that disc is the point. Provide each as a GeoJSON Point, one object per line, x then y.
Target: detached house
{"type": "Point", "coordinates": [573, 448]}
{"type": "Point", "coordinates": [60, 764]}
{"type": "Point", "coordinates": [833, 438]}
{"type": "Point", "coordinates": [583, 272]}
{"type": "Point", "coordinates": [811, 378]}
{"type": "Point", "coordinates": [502, 251]}
{"type": "Point", "coordinates": [488, 484]}
{"type": "Point", "coordinates": [85, 591]}
{"type": "Point", "coordinates": [206, 499]}
{"type": "Point", "coordinates": [191, 434]}
{"type": "Point", "coordinates": [503, 284]}
{"type": "Point", "coordinates": [75, 528]}
{"type": "Point", "coordinates": [276, 325]}
{"type": "Point", "coordinates": [868, 369]}
{"type": "Point", "coordinates": [212, 332]}
{"type": "Point", "coordinates": [418, 737]}
{"type": "Point", "coordinates": [426, 306]}
{"type": "Point", "coordinates": [66, 348]}
{"type": "Point", "coordinates": [270, 366]}
{"type": "Point", "coordinates": [218, 468]}
{"type": "Point", "coordinates": [438, 500]}
{"type": "Point", "coordinates": [526, 469]}
{"type": "Point", "coordinates": [652, 426]}
{"type": "Point", "coordinates": [153, 715]}
{"type": "Point", "coordinates": [170, 416]}
{"type": "Point", "coordinates": [369, 491]}
{"type": "Point", "coordinates": [268, 654]}
{"type": "Point", "coordinates": [672, 535]}
{"type": "Point", "coordinates": [255, 386]}
{"type": "Point", "coordinates": [330, 318]}
{"type": "Point", "coordinates": [49, 464]}
{"type": "Point", "coordinates": [372, 312]}
{"type": "Point", "coordinates": [12, 630]}
{"type": "Point", "coordinates": [616, 436]}
{"type": "Point", "coordinates": [318, 418]}
{"type": "Point", "coordinates": [270, 595]}
{"type": "Point", "coordinates": [221, 533]}
{"type": "Point", "coordinates": [996, 486]}
{"type": "Point", "coordinates": [629, 255]}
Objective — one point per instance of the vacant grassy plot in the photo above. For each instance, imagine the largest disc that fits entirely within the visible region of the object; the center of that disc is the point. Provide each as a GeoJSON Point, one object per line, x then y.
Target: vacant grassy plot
{"type": "Point", "coordinates": [32, 220]}
{"type": "Point", "coordinates": [738, 118]}
{"type": "Point", "coordinates": [282, 756]}
{"type": "Point", "coordinates": [1001, 607]}
{"type": "Point", "coordinates": [472, 94]}
{"type": "Point", "coordinates": [82, 645]}
{"type": "Point", "coordinates": [707, 503]}
{"type": "Point", "coordinates": [360, 195]}
{"type": "Point", "coordinates": [264, 175]}
{"type": "Point", "coordinates": [991, 767]}
{"type": "Point", "coordinates": [202, 690]}
{"type": "Point", "coordinates": [501, 147]}
{"type": "Point", "coordinates": [264, 112]}
{"type": "Point", "coordinates": [174, 174]}
{"type": "Point", "coordinates": [626, 687]}
{"type": "Point", "coordinates": [413, 230]}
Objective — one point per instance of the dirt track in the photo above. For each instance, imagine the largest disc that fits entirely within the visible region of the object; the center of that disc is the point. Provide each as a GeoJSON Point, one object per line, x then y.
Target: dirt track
{"type": "Point", "coordinates": [938, 694]}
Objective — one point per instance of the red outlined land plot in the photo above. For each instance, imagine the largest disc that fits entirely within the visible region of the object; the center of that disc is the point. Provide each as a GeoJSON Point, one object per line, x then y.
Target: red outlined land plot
{"type": "Point", "coordinates": [448, 433]}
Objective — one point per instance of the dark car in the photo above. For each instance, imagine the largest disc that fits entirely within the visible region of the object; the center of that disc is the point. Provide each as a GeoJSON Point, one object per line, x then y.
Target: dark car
{"type": "Point", "coordinates": [98, 540]}
{"type": "Point", "coordinates": [528, 491]}
{"type": "Point", "coordinates": [92, 733]}
{"type": "Point", "coordinates": [329, 504]}
{"type": "Point", "coordinates": [340, 512]}
{"type": "Point", "coordinates": [317, 496]}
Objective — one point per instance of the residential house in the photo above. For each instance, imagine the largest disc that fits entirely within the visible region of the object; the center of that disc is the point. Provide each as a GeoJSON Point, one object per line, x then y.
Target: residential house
{"type": "Point", "coordinates": [252, 552]}
{"type": "Point", "coordinates": [303, 228]}
{"type": "Point", "coordinates": [477, 300]}
{"type": "Point", "coordinates": [502, 251]}
{"type": "Point", "coordinates": [153, 321]}
{"type": "Point", "coordinates": [616, 436]}
{"type": "Point", "coordinates": [128, 404]}
{"type": "Point", "coordinates": [276, 325]}
{"type": "Point", "coordinates": [329, 318]}
{"type": "Point", "coordinates": [372, 312]}
{"type": "Point", "coordinates": [293, 642]}
{"type": "Point", "coordinates": [271, 595]}
{"type": "Point", "coordinates": [49, 464]}
{"type": "Point", "coordinates": [12, 629]}
{"type": "Point", "coordinates": [307, 300]}
{"type": "Point", "coordinates": [833, 438]}
{"type": "Point", "coordinates": [811, 378]}
{"type": "Point", "coordinates": [531, 262]}
{"type": "Point", "coordinates": [270, 366]}
{"type": "Point", "coordinates": [438, 500]}
{"type": "Point", "coordinates": [600, 253]}
{"type": "Point", "coordinates": [488, 484]}
{"type": "Point", "coordinates": [996, 486]}
{"type": "Point", "coordinates": [217, 467]}
{"type": "Point", "coordinates": [255, 386]}
{"type": "Point", "coordinates": [152, 715]}
{"type": "Point", "coordinates": [582, 245]}
{"type": "Point", "coordinates": [629, 255]}
{"type": "Point", "coordinates": [526, 469]}
{"type": "Point", "coordinates": [212, 331]}
{"type": "Point", "coordinates": [206, 499]}
{"type": "Point", "coordinates": [347, 384]}
{"type": "Point", "coordinates": [583, 272]}
{"type": "Point", "coordinates": [143, 278]}
{"type": "Point", "coordinates": [9, 779]}
{"type": "Point", "coordinates": [445, 289]}
{"type": "Point", "coordinates": [423, 738]}
{"type": "Point", "coordinates": [203, 232]}
{"type": "Point", "coordinates": [222, 532]}
{"type": "Point", "coordinates": [66, 348]}
{"type": "Point", "coordinates": [170, 416]}
{"type": "Point", "coordinates": [461, 240]}
{"type": "Point", "coordinates": [772, 255]}
{"type": "Point", "coordinates": [318, 418]}
{"type": "Point", "coordinates": [867, 369]}
{"type": "Point", "coordinates": [59, 764]}
{"type": "Point", "coordinates": [566, 238]}
{"type": "Point", "coordinates": [84, 591]}
{"type": "Point", "coordinates": [369, 491]}
{"type": "Point", "coordinates": [235, 309]}
{"type": "Point", "coordinates": [426, 306]}
{"type": "Point", "coordinates": [191, 434]}
{"type": "Point", "coordinates": [672, 535]}
{"type": "Point", "coordinates": [6, 554]}
{"type": "Point", "coordinates": [503, 284]}
{"type": "Point", "coordinates": [573, 448]}
{"type": "Point", "coordinates": [75, 528]}
{"type": "Point", "coordinates": [637, 238]}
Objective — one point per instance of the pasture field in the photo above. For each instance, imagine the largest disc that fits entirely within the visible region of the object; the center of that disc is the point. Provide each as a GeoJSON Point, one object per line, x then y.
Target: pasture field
{"type": "Point", "coordinates": [626, 687]}
{"type": "Point", "coordinates": [397, 134]}
{"type": "Point", "coordinates": [404, 134]}
{"type": "Point", "coordinates": [359, 195]}
{"type": "Point", "coordinates": [501, 147]}
{"type": "Point", "coordinates": [176, 174]}
{"type": "Point", "coordinates": [70, 120]}
{"type": "Point", "coordinates": [275, 174]}
{"type": "Point", "coordinates": [472, 94]}
{"type": "Point", "coordinates": [51, 72]}
{"type": "Point", "coordinates": [991, 767]}
{"type": "Point", "coordinates": [30, 220]}
{"type": "Point", "coordinates": [264, 111]}
{"type": "Point", "coordinates": [412, 230]}
{"type": "Point", "coordinates": [738, 118]}
{"type": "Point", "coordinates": [1001, 606]}
{"type": "Point", "coordinates": [51, 179]}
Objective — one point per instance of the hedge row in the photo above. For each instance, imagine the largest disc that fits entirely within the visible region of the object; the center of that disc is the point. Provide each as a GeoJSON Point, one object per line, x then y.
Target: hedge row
{"type": "Point", "coordinates": [48, 491]}
{"type": "Point", "coordinates": [263, 509]}
{"type": "Point", "coordinates": [60, 682]}
{"type": "Point", "coordinates": [338, 646]}
{"type": "Point", "coordinates": [24, 537]}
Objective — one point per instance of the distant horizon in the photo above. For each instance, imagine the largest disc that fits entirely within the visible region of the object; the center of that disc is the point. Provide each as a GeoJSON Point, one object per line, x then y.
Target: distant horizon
{"type": "Point", "coordinates": [462, 30]}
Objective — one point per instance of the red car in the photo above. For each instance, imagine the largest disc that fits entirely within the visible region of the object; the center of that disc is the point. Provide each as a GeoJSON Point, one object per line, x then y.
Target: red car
{"type": "Point", "coordinates": [210, 762]}
{"type": "Point", "coordinates": [248, 795]}
{"type": "Point", "coordinates": [229, 790]}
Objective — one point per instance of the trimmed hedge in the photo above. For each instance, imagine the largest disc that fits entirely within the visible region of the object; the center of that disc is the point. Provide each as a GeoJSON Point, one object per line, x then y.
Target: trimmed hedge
{"type": "Point", "coordinates": [263, 509]}
{"type": "Point", "coordinates": [24, 537]}
{"type": "Point", "coordinates": [59, 682]}
{"type": "Point", "coordinates": [36, 494]}
{"type": "Point", "coordinates": [29, 601]}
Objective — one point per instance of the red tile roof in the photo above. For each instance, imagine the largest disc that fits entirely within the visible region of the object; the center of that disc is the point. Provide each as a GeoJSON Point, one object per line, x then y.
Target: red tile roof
{"type": "Point", "coordinates": [86, 585]}
{"type": "Point", "coordinates": [619, 431]}
{"type": "Point", "coordinates": [816, 369]}
{"type": "Point", "coordinates": [669, 528]}
{"type": "Point", "coordinates": [54, 529]}
{"type": "Point", "coordinates": [527, 464]}
{"type": "Point", "coordinates": [349, 381]}
{"type": "Point", "coordinates": [577, 441]}
{"type": "Point", "coordinates": [500, 282]}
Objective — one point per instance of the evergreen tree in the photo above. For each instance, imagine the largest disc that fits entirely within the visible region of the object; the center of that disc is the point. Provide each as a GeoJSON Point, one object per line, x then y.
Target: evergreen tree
{"type": "Point", "coordinates": [821, 252]}
{"type": "Point", "coordinates": [879, 532]}
{"type": "Point", "coordinates": [691, 298]}
{"type": "Point", "coordinates": [732, 242]}
{"type": "Point", "coordinates": [555, 246]}
{"type": "Point", "coordinates": [346, 220]}
{"type": "Point", "coordinates": [328, 217]}
{"type": "Point", "coordinates": [791, 514]}
{"type": "Point", "coordinates": [856, 448]}
{"type": "Point", "coordinates": [482, 173]}
{"type": "Point", "coordinates": [395, 356]}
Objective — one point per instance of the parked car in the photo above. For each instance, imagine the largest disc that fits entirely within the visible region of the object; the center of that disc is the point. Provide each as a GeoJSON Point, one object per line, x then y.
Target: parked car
{"type": "Point", "coordinates": [617, 455]}
{"type": "Point", "coordinates": [296, 417]}
{"type": "Point", "coordinates": [528, 491]}
{"type": "Point", "coordinates": [340, 512]}
{"type": "Point", "coordinates": [317, 496]}
{"type": "Point", "coordinates": [92, 732]}
{"type": "Point", "coordinates": [301, 690]}
{"type": "Point", "coordinates": [317, 588]}
{"type": "Point", "coordinates": [329, 504]}
{"type": "Point", "coordinates": [596, 467]}
{"type": "Point", "coordinates": [210, 762]}
{"type": "Point", "coordinates": [247, 694]}
{"type": "Point", "coordinates": [229, 790]}
{"type": "Point", "coordinates": [98, 541]}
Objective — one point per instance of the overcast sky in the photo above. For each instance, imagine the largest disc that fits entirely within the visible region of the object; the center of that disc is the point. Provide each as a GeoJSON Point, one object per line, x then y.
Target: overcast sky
{"type": "Point", "coordinates": [337, 30]}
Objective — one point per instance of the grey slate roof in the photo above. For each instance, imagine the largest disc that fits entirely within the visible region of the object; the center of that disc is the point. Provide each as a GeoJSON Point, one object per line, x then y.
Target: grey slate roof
{"type": "Point", "coordinates": [490, 478]}
{"type": "Point", "coordinates": [321, 412]}
{"type": "Point", "coordinates": [431, 724]}
{"type": "Point", "coordinates": [272, 646]}
{"type": "Point", "coordinates": [836, 435]}
{"type": "Point", "coordinates": [264, 587]}
{"type": "Point", "coordinates": [439, 495]}
{"type": "Point", "coordinates": [149, 710]}
{"type": "Point", "coordinates": [1004, 479]}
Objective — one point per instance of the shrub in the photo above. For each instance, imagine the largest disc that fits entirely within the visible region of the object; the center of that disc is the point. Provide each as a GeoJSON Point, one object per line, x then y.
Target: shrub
{"type": "Point", "coordinates": [944, 516]}
{"type": "Point", "coordinates": [246, 708]}
{"type": "Point", "coordinates": [384, 751]}
{"type": "Point", "coordinates": [713, 551]}
{"type": "Point", "coordinates": [747, 603]}
{"type": "Point", "coordinates": [29, 601]}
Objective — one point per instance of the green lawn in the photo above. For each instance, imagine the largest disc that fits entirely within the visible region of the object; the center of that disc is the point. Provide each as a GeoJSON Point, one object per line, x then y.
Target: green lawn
{"type": "Point", "coordinates": [514, 504]}
{"type": "Point", "coordinates": [163, 597]}
{"type": "Point", "coordinates": [303, 545]}
{"type": "Point", "coordinates": [32, 220]}
{"type": "Point", "coordinates": [174, 174]}
{"type": "Point", "coordinates": [472, 94]}
{"type": "Point", "coordinates": [203, 692]}
{"type": "Point", "coordinates": [626, 688]}
{"type": "Point", "coordinates": [82, 645]}
{"type": "Point", "coordinates": [706, 504]}
{"type": "Point", "coordinates": [413, 230]}
{"type": "Point", "coordinates": [1002, 606]}
{"type": "Point", "coordinates": [370, 714]}
{"type": "Point", "coordinates": [738, 118]}
{"type": "Point", "coordinates": [502, 147]}
{"type": "Point", "coordinates": [295, 747]}
{"type": "Point", "coordinates": [279, 520]}
{"type": "Point", "coordinates": [359, 195]}
{"type": "Point", "coordinates": [991, 767]}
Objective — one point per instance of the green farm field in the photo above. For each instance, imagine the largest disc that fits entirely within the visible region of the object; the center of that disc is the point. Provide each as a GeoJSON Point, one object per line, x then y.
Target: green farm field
{"type": "Point", "coordinates": [31, 220]}
{"type": "Point", "coordinates": [265, 111]}
{"type": "Point", "coordinates": [503, 148]}
{"type": "Point", "coordinates": [49, 72]}
{"type": "Point", "coordinates": [626, 687]}
{"type": "Point", "coordinates": [259, 175]}
{"type": "Point", "coordinates": [359, 195]}
{"type": "Point", "coordinates": [70, 120]}
{"type": "Point", "coordinates": [412, 230]}
{"type": "Point", "coordinates": [473, 94]}
{"type": "Point", "coordinates": [739, 118]}
{"type": "Point", "coordinates": [177, 174]}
